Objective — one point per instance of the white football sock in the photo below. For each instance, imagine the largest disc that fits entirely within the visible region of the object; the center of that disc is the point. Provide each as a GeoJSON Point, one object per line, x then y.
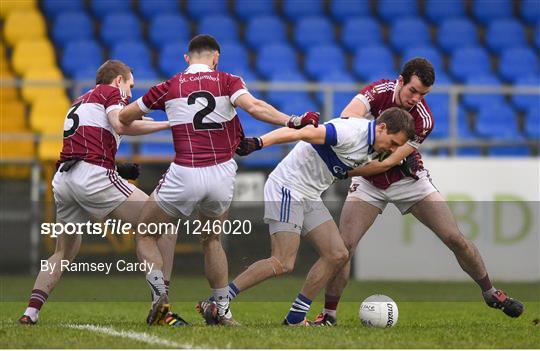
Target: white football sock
{"type": "Point", "coordinates": [221, 296]}
{"type": "Point", "coordinates": [32, 312]}
{"type": "Point", "coordinates": [157, 284]}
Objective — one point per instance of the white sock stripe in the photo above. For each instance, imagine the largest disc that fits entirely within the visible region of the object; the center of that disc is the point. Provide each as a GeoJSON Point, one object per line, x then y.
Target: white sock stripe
{"type": "Point", "coordinates": [298, 301]}
{"type": "Point", "coordinates": [300, 307]}
{"type": "Point", "coordinates": [299, 311]}
{"type": "Point", "coordinates": [37, 297]}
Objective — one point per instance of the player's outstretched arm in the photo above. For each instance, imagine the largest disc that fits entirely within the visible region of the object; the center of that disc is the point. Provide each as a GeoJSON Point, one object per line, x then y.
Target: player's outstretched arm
{"type": "Point", "coordinates": [135, 127]}
{"type": "Point", "coordinates": [130, 113]}
{"type": "Point", "coordinates": [376, 166]}
{"type": "Point", "coordinates": [355, 108]}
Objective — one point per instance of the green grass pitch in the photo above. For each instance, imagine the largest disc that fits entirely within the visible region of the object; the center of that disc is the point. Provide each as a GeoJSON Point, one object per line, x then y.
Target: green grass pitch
{"type": "Point", "coordinates": [97, 312]}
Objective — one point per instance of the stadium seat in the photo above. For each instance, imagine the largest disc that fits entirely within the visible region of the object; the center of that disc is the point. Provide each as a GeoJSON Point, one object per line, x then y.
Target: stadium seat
{"type": "Point", "coordinates": [263, 30]}
{"type": "Point", "coordinates": [505, 33]}
{"type": "Point", "coordinates": [146, 74]}
{"type": "Point", "coordinates": [19, 147]}
{"type": "Point", "coordinates": [55, 8]}
{"type": "Point", "coordinates": [320, 59]}
{"type": "Point", "coordinates": [12, 116]}
{"type": "Point", "coordinates": [30, 54]}
{"type": "Point", "coordinates": [454, 33]}
{"type": "Point", "coordinates": [428, 52]}
{"type": "Point", "coordinates": [509, 151]}
{"type": "Point", "coordinates": [247, 9]}
{"type": "Point", "coordinates": [523, 102]}
{"type": "Point", "coordinates": [497, 121]}
{"type": "Point", "coordinates": [469, 151]}
{"type": "Point", "coordinates": [166, 28]}
{"type": "Point", "coordinates": [49, 149]}
{"type": "Point", "coordinates": [360, 31]}
{"type": "Point", "coordinates": [233, 58]}
{"type": "Point", "coordinates": [221, 27]}
{"type": "Point", "coordinates": [32, 91]}
{"type": "Point", "coordinates": [81, 55]}
{"type": "Point", "coordinates": [171, 59]}
{"type": "Point", "coordinates": [518, 62]}
{"type": "Point", "coordinates": [469, 61]}
{"type": "Point", "coordinates": [340, 99]}
{"type": "Point", "coordinates": [477, 101]}
{"type": "Point", "coordinates": [530, 11]}
{"type": "Point", "coordinates": [247, 74]}
{"type": "Point", "coordinates": [198, 9]}
{"type": "Point", "coordinates": [298, 106]}
{"type": "Point", "coordinates": [24, 25]}
{"type": "Point", "coordinates": [267, 157]}
{"type": "Point", "coordinates": [101, 8]}
{"type": "Point", "coordinates": [135, 54]}
{"type": "Point", "coordinates": [79, 24]}
{"type": "Point", "coordinates": [345, 9]}
{"type": "Point", "coordinates": [151, 8]}
{"type": "Point", "coordinates": [47, 115]}
{"type": "Point", "coordinates": [279, 97]}
{"type": "Point", "coordinates": [118, 27]}
{"type": "Point", "coordinates": [388, 10]}
{"type": "Point", "coordinates": [406, 30]}
{"type": "Point", "coordinates": [275, 58]}
{"type": "Point", "coordinates": [465, 127]}
{"type": "Point", "coordinates": [532, 122]}
{"type": "Point", "coordinates": [537, 35]}
{"type": "Point", "coordinates": [437, 10]}
{"type": "Point", "coordinates": [296, 9]}
{"type": "Point", "coordinates": [125, 150]}
{"type": "Point", "coordinates": [485, 11]}
{"type": "Point", "coordinates": [439, 105]}
{"type": "Point", "coordinates": [157, 148]}
{"type": "Point", "coordinates": [373, 61]}
{"type": "Point", "coordinates": [313, 30]}
{"type": "Point", "coordinates": [13, 6]}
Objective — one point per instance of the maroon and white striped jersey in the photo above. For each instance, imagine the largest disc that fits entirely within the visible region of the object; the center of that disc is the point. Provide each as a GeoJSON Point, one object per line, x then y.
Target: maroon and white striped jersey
{"type": "Point", "coordinates": [199, 103]}
{"type": "Point", "coordinates": [88, 135]}
{"type": "Point", "coordinates": [381, 95]}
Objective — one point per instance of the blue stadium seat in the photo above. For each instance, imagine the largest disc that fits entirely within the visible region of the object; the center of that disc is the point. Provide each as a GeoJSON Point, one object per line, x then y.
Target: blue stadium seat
{"type": "Point", "coordinates": [469, 151]}
{"type": "Point", "coordinates": [247, 9]}
{"type": "Point", "coordinates": [313, 30]}
{"type": "Point", "coordinates": [120, 27]}
{"type": "Point", "coordinates": [530, 11]}
{"type": "Point", "coordinates": [84, 73]}
{"type": "Point", "coordinates": [200, 8]}
{"type": "Point", "coordinates": [81, 55]}
{"type": "Point", "coordinates": [298, 106]}
{"type": "Point", "coordinates": [221, 27]}
{"type": "Point", "coordinates": [125, 150]}
{"type": "Point", "coordinates": [485, 11]}
{"type": "Point", "coordinates": [518, 62]}
{"type": "Point", "coordinates": [478, 101]}
{"type": "Point", "coordinates": [532, 122]}
{"type": "Point", "coordinates": [171, 59]}
{"type": "Point", "coordinates": [263, 30]}
{"type": "Point", "coordinates": [320, 59]}
{"type": "Point", "coordinates": [389, 10]}
{"type": "Point", "coordinates": [276, 57]}
{"type": "Point", "coordinates": [465, 128]}
{"type": "Point", "coordinates": [437, 10]}
{"type": "Point", "coordinates": [456, 33]}
{"type": "Point", "coordinates": [150, 8]}
{"type": "Point", "coordinates": [537, 35]}
{"type": "Point", "coordinates": [441, 78]}
{"type": "Point", "coordinates": [428, 52]}
{"type": "Point", "coordinates": [157, 148]}
{"type": "Point", "coordinates": [53, 8]}
{"type": "Point", "coordinates": [373, 61]}
{"type": "Point", "coordinates": [247, 74]}
{"type": "Point", "coordinates": [509, 151]}
{"type": "Point", "coordinates": [524, 102]}
{"type": "Point", "coordinates": [360, 31]}
{"type": "Point", "coordinates": [406, 30]}
{"type": "Point", "coordinates": [166, 28]}
{"type": "Point", "coordinates": [134, 54]}
{"type": "Point", "coordinates": [79, 24]}
{"type": "Point", "coordinates": [438, 104]}
{"type": "Point", "coordinates": [296, 9]}
{"type": "Point", "coordinates": [233, 58]}
{"type": "Point", "coordinates": [505, 33]}
{"type": "Point", "coordinates": [278, 98]}
{"type": "Point", "coordinates": [146, 74]}
{"type": "Point", "coordinates": [267, 157]}
{"type": "Point", "coordinates": [101, 8]}
{"type": "Point", "coordinates": [497, 121]}
{"type": "Point", "coordinates": [469, 61]}
{"type": "Point", "coordinates": [340, 98]}
{"type": "Point", "coordinates": [345, 9]}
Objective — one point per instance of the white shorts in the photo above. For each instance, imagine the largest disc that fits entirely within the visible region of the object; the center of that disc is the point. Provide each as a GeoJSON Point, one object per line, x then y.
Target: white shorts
{"type": "Point", "coordinates": [288, 210]}
{"type": "Point", "coordinates": [208, 189]}
{"type": "Point", "coordinates": [88, 193]}
{"type": "Point", "coordinates": [403, 193]}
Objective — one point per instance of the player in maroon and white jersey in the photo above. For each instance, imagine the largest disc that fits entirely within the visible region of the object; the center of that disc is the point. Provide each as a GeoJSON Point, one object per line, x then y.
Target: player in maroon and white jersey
{"type": "Point", "coordinates": [402, 180]}
{"type": "Point", "coordinates": [200, 105]}
{"type": "Point", "coordinates": [87, 185]}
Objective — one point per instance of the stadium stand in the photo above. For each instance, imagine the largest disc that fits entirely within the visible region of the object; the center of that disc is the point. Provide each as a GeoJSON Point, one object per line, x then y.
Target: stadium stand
{"type": "Point", "coordinates": [404, 29]}
{"type": "Point", "coordinates": [80, 27]}
{"type": "Point", "coordinates": [168, 28]}
{"type": "Point", "coordinates": [360, 31]}
{"type": "Point", "coordinates": [263, 30]}
{"type": "Point", "coordinates": [247, 9]}
{"type": "Point", "coordinates": [222, 27]}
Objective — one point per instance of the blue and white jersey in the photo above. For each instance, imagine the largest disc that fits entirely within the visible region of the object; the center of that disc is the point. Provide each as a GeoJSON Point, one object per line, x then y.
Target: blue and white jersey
{"type": "Point", "coordinates": [310, 169]}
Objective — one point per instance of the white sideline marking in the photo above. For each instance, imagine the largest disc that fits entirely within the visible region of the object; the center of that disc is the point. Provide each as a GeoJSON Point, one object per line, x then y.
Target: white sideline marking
{"type": "Point", "coordinates": [133, 335]}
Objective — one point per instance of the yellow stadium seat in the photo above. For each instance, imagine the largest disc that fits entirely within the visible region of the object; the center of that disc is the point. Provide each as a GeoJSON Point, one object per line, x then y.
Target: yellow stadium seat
{"type": "Point", "coordinates": [18, 147]}
{"type": "Point", "coordinates": [12, 116]}
{"type": "Point", "coordinates": [24, 25]}
{"type": "Point", "coordinates": [49, 150]}
{"type": "Point", "coordinates": [47, 115]}
{"type": "Point", "coordinates": [29, 54]}
{"type": "Point", "coordinates": [9, 6]}
{"type": "Point", "coordinates": [33, 87]}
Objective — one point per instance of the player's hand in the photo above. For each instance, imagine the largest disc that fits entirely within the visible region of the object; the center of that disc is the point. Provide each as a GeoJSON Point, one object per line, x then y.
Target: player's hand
{"type": "Point", "coordinates": [248, 145]}
{"type": "Point", "coordinates": [412, 164]}
{"type": "Point", "coordinates": [128, 171]}
{"type": "Point", "coordinates": [308, 118]}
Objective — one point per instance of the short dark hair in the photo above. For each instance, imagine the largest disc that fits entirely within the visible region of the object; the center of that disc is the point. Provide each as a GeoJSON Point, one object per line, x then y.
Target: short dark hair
{"type": "Point", "coordinates": [203, 42]}
{"type": "Point", "coordinates": [421, 68]}
{"type": "Point", "coordinates": [397, 120]}
{"type": "Point", "coordinates": [110, 70]}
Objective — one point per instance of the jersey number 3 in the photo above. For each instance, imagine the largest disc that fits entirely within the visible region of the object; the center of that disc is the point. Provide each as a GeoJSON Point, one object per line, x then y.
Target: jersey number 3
{"type": "Point", "coordinates": [198, 123]}
{"type": "Point", "coordinates": [75, 118]}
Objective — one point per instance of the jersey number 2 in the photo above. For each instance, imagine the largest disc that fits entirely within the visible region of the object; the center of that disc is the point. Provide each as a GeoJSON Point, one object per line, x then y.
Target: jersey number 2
{"type": "Point", "coordinates": [75, 118]}
{"type": "Point", "coordinates": [198, 123]}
